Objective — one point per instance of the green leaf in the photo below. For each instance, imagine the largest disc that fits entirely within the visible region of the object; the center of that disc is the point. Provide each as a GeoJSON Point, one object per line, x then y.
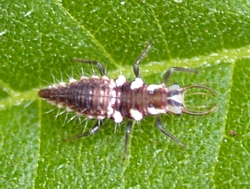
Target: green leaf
{"type": "Point", "coordinates": [38, 40]}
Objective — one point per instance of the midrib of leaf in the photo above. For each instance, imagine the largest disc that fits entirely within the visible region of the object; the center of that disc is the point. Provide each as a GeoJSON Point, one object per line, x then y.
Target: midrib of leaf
{"type": "Point", "coordinates": [227, 104]}
{"type": "Point", "coordinates": [226, 55]}
{"type": "Point", "coordinates": [231, 151]}
{"type": "Point", "coordinates": [17, 98]}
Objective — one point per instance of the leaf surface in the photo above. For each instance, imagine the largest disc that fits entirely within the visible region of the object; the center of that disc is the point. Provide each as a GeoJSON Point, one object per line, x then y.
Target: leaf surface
{"type": "Point", "coordinates": [38, 40]}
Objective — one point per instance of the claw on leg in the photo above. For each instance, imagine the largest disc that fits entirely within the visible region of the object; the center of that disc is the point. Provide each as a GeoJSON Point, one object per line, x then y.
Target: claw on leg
{"type": "Point", "coordinates": [90, 132]}
{"type": "Point", "coordinates": [159, 126]}
{"type": "Point", "coordinates": [127, 135]}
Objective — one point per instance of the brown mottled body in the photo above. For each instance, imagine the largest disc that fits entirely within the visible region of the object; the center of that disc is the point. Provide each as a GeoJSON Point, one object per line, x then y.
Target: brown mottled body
{"type": "Point", "coordinates": [101, 97]}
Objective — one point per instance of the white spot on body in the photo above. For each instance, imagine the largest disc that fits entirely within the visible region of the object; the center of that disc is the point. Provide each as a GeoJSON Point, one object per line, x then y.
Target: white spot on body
{"type": "Point", "coordinates": [105, 77]}
{"type": "Point", "coordinates": [102, 95]}
{"type": "Point", "coordinates": [137, 83]}
{"type": "Point", "coordinates": [62, 84]}
{"type": "Point", "coordinates": [53, 86]}
{"type": "Point", "coordinates": [83, 78]}
{"type": "Point", "coordinates": [90, 117]}
{"type": "Point", "coordinates": [72, 80]}
{"type": "Point", "coordinates": [110, 110]}
{"type": "Point", "coordinates": [135, 114]}
{"type": "Point", "coordinates": [113, 97]}
{"type": "Point", "coordinates": [152, 88]}
{"type": "Point", "coordinates": [100, 117]}
{"type": "Point", "coordinates": [117, 116]}
{"type": "Point", "coordinates": [112, 84]}
{"type": "Point", "coordinates": [112, 101]}
{"type": "Point", "coordinates": [120, 81]}
{"type": "Point", "coordinates": [94, 77]}
{"type": "Point", "coordinates": [154, 111]}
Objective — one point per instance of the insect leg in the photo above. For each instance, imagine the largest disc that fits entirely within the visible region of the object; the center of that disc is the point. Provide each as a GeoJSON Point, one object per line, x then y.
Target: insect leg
{"type": "Point", "coordinates": [98, 64]}
{"type": "Point", "coordinates": [136, 64]}
{"type": "Point", "coordinates": [159, 126]}
{"type": "Point", "coordinates": [127, 134]}
{"type": "Point", "coordinates": [90, 132]}
{"type": "Point", "coordinates": [171, 70]}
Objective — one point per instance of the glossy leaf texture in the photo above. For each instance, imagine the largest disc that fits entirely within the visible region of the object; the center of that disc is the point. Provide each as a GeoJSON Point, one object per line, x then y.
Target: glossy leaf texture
{"type": "Point", "coordinates": [38, 40]}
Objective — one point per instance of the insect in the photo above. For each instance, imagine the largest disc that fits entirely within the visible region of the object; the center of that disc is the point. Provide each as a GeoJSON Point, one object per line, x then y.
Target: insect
{"type": "Point", "coordinates": [119, 99]}
{"type": "Point", "coordinates": [233, 133]}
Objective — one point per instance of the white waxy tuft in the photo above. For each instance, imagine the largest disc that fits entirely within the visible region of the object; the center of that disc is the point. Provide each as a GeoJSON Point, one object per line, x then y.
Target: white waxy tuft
{"type": "Point", "coordinates": [120, 81]}
{"type": "Point", "coordinates": [135, 114]}
{"type": "Point", "coordinates": [105, 77]}
{"type": "Point", "coordinates": [112, 100]}
{"type": "Point", "coordinates": [72, 80]}
{"type": "Point", "coordinates": [154, 111]}
{"type": "Point", "coordinates": [62, 84]}
{"type": "Point", "coordinates": [84, 78]}
{"type": "Point", "coordinates": [110, 110]}
{"type": "Point", "coordinates": [94, 77]}
{"type": "Point", "coordinates": [90, 117]}
{"type": "Point", "coordinates": [53, 86]}
{"type": "Point", "coordinates": [152, 88]}
{"type": "Point", "coordinates": [100, 117]}
{"type": "Point", "coordinates": [136, 84]}
{"type": "Point", "coordinates": [112, 84]}
{"type": "Point", "coordinates": [117, 117]}
{"type": "Point", "coordinates": [113, 97]}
